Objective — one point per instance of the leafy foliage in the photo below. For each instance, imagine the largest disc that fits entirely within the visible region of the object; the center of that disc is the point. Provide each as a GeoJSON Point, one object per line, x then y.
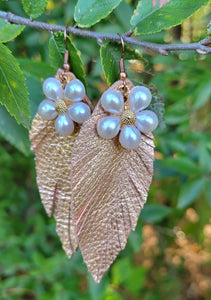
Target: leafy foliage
{"type": "Point", "coordinates": [153, 213]}
{"type": "Point", "coordinates": [9, 31]}
{"type": "Point", "coordinates": [8, 126]}
{"type": "Point", "coordinates": [190, 191]}
{"type": "Point", "coordinates": [89, 12]}
{"type": "Point", "coordinates": [14, 93]}
{"type": "Point", "coordinates": [149, 18]}
{"type": "Point", "coordinates": [110, 57]}
{"type": "Point", "coordinates": [34, 9]}
{"type": "Point", "coordinates": [56, 53]}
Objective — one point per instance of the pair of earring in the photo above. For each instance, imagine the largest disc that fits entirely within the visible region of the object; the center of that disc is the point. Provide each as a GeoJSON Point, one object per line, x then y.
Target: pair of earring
{"type": "Point", "coordinates": [93, 169]}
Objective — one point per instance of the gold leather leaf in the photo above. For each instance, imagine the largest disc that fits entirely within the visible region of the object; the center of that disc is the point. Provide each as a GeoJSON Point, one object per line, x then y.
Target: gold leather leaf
{"type": "Point", "coordinates": [53, 158]}
{"type": "Point", "coordinates": [109, 188]}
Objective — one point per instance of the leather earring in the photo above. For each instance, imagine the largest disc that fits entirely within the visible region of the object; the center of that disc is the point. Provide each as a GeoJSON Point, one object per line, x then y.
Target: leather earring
{"type": "Point", "coordinates": [111, 171]}
{"type": "Point", "coordinates": [53, 132]}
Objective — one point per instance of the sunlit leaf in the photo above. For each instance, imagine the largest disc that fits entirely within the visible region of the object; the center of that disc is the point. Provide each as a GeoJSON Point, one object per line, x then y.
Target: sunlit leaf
{"type": "Point", "coordinates": [34, 9]}
{"type": "Point", "coordinates": [89, 12]}
{"type": "Point", "coordinates": [110, 186]}
{"type": "Point", "coordinates": [14, 94]}
{"type": "Point", "coordinates": [9, 31]}
{"type": "Point", "coordinates": [153, 16]}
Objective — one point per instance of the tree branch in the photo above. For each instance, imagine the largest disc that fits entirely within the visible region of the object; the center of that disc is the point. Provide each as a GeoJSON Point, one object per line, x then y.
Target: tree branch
{"type": "Point", "coordinates": [201, 47]}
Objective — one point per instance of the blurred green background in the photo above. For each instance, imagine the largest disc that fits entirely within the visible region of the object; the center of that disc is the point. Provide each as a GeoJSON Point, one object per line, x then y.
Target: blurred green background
{"type": "Point", "coordinates": [168, 256]}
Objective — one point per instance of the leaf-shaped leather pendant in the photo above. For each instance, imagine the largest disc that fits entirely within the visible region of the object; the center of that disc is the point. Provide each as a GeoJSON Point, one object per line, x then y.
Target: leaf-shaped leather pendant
{"type": "Point", "coordinates": [53, 152]}
{"type": "Point", "coordinates": [109, 188]}
{"type": "Point", "coordinates": [53, 155]}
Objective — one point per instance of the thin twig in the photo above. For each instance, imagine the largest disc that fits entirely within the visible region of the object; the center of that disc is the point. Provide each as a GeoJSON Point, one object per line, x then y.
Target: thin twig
{"type": "Point", "coordinates": [201, 47]}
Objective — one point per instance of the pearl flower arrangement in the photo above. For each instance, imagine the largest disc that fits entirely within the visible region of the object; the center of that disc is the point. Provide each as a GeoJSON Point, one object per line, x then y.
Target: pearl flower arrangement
{"type": "Point", "coordinates": [127, 117]}
{"type": "Point", "coordinates": [64, 105]}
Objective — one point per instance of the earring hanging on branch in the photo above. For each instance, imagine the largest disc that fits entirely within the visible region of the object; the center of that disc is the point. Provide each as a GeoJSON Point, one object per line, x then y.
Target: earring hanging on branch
{"type": "Point", "coordinates": [53, 132]}
{"type": "Point", "coordinates": [112, 168]}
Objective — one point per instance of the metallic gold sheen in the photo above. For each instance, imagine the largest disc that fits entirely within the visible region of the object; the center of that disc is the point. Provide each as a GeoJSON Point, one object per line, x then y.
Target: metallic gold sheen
{"type": "Point", "coordinates": [128, 117]}
{"type": "Point", "coordinates": [109, 188]}
{"type": "Point", "coordinates": [53, 166]}
{"type": "Point", "coordinates": [53, 155]}
{"type": "Point", "coordinates": [60, 106]}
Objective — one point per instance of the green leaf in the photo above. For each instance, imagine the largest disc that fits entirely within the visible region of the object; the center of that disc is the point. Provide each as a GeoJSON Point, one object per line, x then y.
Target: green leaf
{"type": "Point", "coordinates": [15, 134]}
{"type": "Point", "coordinates": [110, 56]}
{"type": "Point", "coordinates": [177, 113]}
{"type": "Point", "coordinates": [89, 12]}
{"type": "Point", "coordinates": [182, 164]}
{"type": "Point", "coordinates": [110, 293]}
{"type": "Point", "coordinates": [203, 93]}
{"type": "Point", "coordinates": [14, 94]}
{"type": "Point", "coordinates": [34, 9]}
{"type": "Point", "coordinates": [205, 157]}
{"type": "Point", "coordinates": [56, 53]}
{"type": "Point", "coordinates": [149, 19]}
{"type": "Point", "coordinates": [153, 213]}
{"type": "Point", "coordinates": [35, 73]}
{"type": "Point", "coordinates": [135, 238]}
{"type": "Point", "coordinates": [36, 69]}
{"type": "Point", "coordinates": [189, 192]}
{"type": "Point", "coordinates": [96, 289]}
{"type": "Point", "coordinates": [208, 191]}
{"type": "Point", "coordinates": [123, 12]}
{"type": "Point", "coordinates": [9, 31]}
{"type": "Point", "coordinates": [35, 93]}
{"type": "Point", "coordinates": [124, 273]}
{"type": "Point", "coordinates": [157, 105]}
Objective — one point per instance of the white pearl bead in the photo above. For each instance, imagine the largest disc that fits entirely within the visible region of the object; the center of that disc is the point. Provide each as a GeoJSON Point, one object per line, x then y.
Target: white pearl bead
{"type": "Point", "coordinates": [75, 90]}
{"type": "Point", "coordinates": [52, 88]}
{"type": "Point", "coordinates": [139, 98]}
{"type": "Point", "coordinates": [64, 125]}
{"type": "Point", "coordinates": [130, 137]}
{"type": "Point", "coordinates": [112, 101]}
{"type": "Point", "coordinates": [79, 112]}
{"type": "Point", "coordinates": [108, 127]}
{"type": "Point", "coordinates": [146, 121]}
{"type": "Point", "coordinates": [47, 110]}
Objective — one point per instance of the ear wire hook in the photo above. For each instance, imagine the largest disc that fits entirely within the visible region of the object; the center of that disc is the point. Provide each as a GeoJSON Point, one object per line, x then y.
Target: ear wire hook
{"type": "Point", "coordinates": [123, 74]}
{"type": "Point", "coordinates": [66, 65]}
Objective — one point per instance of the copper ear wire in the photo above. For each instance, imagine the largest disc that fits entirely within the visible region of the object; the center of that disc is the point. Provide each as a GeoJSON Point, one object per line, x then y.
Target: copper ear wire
{"type": "Point", "coordinates": [122, 74]}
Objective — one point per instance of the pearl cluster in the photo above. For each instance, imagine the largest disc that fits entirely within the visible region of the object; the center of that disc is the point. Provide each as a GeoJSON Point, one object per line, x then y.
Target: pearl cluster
{"type": "Point", "coordinates": [55, 107]}
{"type": "Point", "coordinates": [128, 117]}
